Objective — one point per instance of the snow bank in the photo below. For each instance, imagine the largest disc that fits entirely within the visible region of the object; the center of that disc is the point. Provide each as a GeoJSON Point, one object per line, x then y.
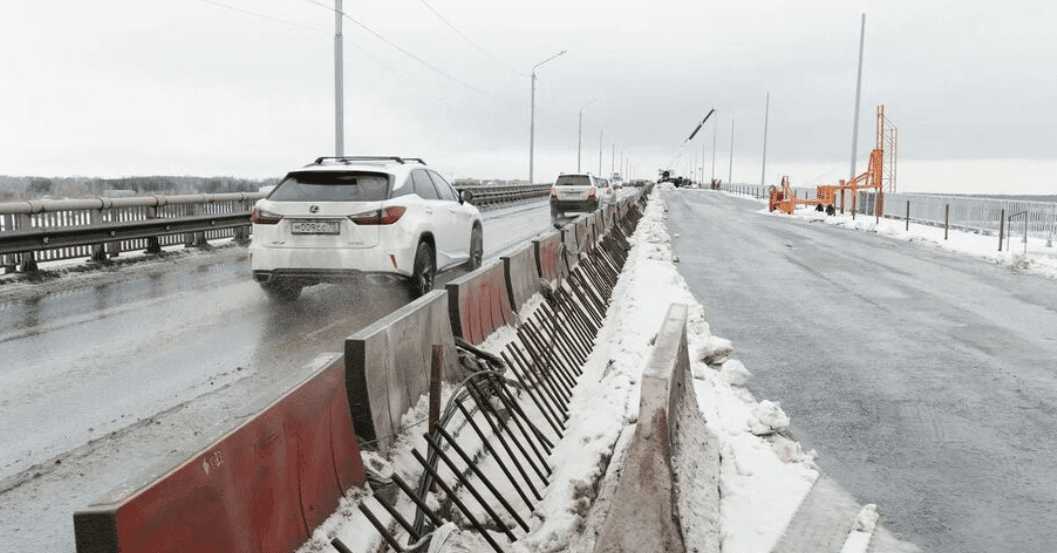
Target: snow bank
{"type": "Point", "coordinates": [764, 475]}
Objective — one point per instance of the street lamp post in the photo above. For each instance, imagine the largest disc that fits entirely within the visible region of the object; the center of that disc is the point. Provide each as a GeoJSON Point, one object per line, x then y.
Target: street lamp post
{"type": "Point", "coordinates": [532, 119]}
{"type": "Point", "coordinates": [580, 134]}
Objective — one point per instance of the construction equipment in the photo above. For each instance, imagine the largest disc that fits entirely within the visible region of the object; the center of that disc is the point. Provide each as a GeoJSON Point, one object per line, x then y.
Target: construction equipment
{"type": "Point", "coordinates": [875, 177]}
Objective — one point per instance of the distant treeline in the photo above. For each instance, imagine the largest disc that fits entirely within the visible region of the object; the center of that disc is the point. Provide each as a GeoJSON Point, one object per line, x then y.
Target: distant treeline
{"type": "Point", "coordinates": [29, 188]}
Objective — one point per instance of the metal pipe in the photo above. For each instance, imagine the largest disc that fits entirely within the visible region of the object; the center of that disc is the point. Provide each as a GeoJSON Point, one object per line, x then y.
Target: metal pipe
{"type": "Point", "coordinates": [458, 502]}
{"type": "Point", "coordinates": [499, 461]}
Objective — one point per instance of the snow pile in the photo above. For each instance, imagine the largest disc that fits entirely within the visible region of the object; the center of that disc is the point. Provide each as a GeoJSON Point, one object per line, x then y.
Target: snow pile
{"type": "Point", "coordinates": [764, 475]}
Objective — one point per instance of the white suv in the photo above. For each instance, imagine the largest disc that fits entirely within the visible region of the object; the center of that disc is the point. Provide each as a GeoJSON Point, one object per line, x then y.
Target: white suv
{"type": "Point", "coordinates": [343, 217]}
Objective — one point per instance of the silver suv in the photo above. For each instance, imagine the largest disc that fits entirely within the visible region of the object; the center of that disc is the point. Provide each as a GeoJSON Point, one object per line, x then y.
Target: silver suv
{"type": "Point", "coordinates": [579, 192]}
{"type": "Point", "coordinates": [339, 218]}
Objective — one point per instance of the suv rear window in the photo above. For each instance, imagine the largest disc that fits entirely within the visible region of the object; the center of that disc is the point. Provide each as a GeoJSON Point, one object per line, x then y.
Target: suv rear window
{"type": "Point", "coordinates": [317, 186]}
{"type": "Point", "coordinates": [573, 180]}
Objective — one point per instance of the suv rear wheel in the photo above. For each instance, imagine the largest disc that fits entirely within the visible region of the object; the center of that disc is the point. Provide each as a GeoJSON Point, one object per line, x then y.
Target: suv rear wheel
{"type": "Point", "coordinates": [476, 249]}
{"type": "Point", "coordinates": [424, 271]}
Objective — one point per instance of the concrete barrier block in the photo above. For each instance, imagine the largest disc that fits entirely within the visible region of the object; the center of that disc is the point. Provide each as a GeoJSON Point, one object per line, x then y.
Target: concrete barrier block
{"type": "Point", "coordinates": [479, 303]}
{"type": "Point", "coordinates": [548, 263]}
{"type": "Point", "coordinates": [644, 517]}
{"type": "Point", "coordinates": [582, 233]}
{"type": "Point", "coordinates": [522, 278]}
{"type": "Point", "coordinates": [388, 365]}
{"type": "Point", "coordinates": [262, 487]}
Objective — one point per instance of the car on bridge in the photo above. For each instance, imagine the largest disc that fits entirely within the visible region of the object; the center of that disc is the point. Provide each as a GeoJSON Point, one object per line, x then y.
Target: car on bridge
{"type": "Point", "coordinates": [340, 218]}
{"type": "Point", "coordinates": [579, 192]}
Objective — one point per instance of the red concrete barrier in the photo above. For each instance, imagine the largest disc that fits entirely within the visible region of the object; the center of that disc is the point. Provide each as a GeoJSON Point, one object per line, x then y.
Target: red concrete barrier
{"type": "Point", "coordinates": [479, 303]}
{"type": "Point", "coordinates": [388, 365]}
{"type": "Point", "coordinates": [548, 263]}
{"type": "Point", "coordinates": [261, 488]}
{"type": "Point", "coordinates": [522, 279]}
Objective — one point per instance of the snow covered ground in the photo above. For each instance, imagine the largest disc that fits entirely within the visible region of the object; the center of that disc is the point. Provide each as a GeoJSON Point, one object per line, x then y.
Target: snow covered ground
{"type": "Point", "coordinates": [1034, 256]}
{"type": "Point", "coordinates": [764, 475]}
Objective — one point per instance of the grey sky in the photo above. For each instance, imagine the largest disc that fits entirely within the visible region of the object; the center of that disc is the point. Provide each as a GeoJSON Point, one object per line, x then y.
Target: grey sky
{"type": "Point", "coordinates": [121, 87]}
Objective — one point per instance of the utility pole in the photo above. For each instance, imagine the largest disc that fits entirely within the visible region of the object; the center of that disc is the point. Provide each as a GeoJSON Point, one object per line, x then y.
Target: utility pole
{"type": "Point", "coordinates": [339, 104]}
{"type": "Point", "coordinates": [715, 131]}
{"type": "Point", "coordinates": [730, 175]}
{"type": "Point", "coordinates": [580, 134]}
{"type": "Point", "coordinates": [766, 114]}
{"type": "Point", "coordinates": [613, 159]}
{"type": "Point", "coordinates": [858, 91]}
{"type": "Point", "coordinates": [532, 117]}
{"type": "Point", "coordinates": [600, 152]}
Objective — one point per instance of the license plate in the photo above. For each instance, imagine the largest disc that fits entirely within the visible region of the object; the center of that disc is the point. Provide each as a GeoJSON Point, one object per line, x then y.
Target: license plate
{"type": "Point", "coordinates": [315, 227]}
{"type": "Point", "coordinates": [570, 195]}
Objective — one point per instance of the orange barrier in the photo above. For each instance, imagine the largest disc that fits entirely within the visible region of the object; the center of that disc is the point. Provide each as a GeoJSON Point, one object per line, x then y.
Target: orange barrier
{"type": "Point", "coordinates": [388, 365]}
{"type": "Point", "coordinates": [261, 488]}
{"type": "Point", "coordinates": [479, 304]}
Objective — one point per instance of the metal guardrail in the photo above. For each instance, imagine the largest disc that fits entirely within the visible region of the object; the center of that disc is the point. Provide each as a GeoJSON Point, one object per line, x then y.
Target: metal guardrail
{"type": "Point", "coordinates": [494, 195]}
{"type": "Point", "coordinates": [102, 228]}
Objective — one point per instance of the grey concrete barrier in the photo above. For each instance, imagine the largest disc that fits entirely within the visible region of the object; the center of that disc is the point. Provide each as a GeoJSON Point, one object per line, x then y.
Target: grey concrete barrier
{"type": "Point", "coordinates": [522, 278]}
{"type": "Point", "coordinates": [644, 517]}
{"type": "Point", "coordinates": [582, 233]}
{"type": "Point", "coordinates": [572, 248]}
{"type": "Point", "coordinates": [479, 303]}
{"type": "Point", "coordinates": [388, 365]}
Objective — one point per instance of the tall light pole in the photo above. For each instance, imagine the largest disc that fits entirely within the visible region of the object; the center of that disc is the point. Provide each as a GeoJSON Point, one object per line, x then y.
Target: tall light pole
{"type": "Point", "coordinates": [730, 174]}
{"type": "Point", "coordinates": [715, 131]}
{"type": "Point", "coordinates": [600, 150]}
{"type": "Point", "coordinates": [858, 89]}
{"type": "Point", "coordinates": [766, 114]}
{"type": "Point", "coordinates": [580, 133]}
{"type": "Point", "coordinates": [532, 120]}
{"type": "Point", "coordinates": [339, 104]}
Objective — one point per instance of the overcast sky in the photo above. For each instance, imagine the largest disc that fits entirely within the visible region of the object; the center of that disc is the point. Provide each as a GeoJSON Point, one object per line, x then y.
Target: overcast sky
{"type": "Point", "coordinates": [246, 87]}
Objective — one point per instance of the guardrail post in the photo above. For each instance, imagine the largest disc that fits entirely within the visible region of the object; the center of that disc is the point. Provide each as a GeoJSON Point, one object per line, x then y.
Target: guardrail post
{"type": "Point", "coordinates": [242, 234]}
{"type": "Point", "coordinates": [28, 260]}
{"type": "Point", "coordinates": [197, 239]}
{"type": "Point", "coordinates": [98, 250]}
{"type": "Point", "coordinates": [908, 216]}
{"type": "Point", "coordinates": [154, 243]}
{"type": "Point", "coordinates": [1001, 229]}
{"type": "Point", "coordinates": [946, 220]}
{"type": "Point", "coordinates": [6, 261]}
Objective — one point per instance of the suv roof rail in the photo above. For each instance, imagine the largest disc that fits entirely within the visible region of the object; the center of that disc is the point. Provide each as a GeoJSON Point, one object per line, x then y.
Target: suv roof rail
{"type": "Point", "coordinates": [350, 159]}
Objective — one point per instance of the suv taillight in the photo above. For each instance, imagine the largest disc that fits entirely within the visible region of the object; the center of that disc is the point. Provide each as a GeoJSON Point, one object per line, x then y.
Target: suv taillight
{"type": "Point", "coordinates": [385, 216]}
{"type": "Point", "coordinates": [554, 191]}
{"type": "Point", "coordinates": [592, 192]}
{"type": "Point", "coordinates": [261, 217]}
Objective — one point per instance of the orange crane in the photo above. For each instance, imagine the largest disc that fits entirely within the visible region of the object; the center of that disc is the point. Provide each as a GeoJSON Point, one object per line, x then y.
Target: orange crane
{"type": "Point", "coordinates": [785, 198]}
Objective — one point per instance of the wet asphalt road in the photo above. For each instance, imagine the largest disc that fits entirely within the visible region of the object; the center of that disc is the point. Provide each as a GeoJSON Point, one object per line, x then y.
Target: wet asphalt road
{"type": "Point", "coordinates": [104, 374]}
{"type": "Point", "coordinates": [926, 381]}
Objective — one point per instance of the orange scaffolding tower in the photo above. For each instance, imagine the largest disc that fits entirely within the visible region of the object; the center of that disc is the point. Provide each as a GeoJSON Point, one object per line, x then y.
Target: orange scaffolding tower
{"type": "Point", "coordinates": [880, 175]}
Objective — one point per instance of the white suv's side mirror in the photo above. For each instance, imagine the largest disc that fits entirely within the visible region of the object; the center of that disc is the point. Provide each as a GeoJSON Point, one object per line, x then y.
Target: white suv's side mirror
{"type": "Point", "coordinates": [465, 196]}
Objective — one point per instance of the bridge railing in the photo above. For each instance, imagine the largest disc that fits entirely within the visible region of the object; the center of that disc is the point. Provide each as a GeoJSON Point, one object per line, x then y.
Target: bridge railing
{"type": "Point", "coordinates": [102, 228]}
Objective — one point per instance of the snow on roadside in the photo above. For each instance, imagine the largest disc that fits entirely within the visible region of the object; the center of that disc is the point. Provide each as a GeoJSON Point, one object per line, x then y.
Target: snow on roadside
{"type": "Point", "coordinates": [764, 476]}
{"type": "Point", "coordinates": [1036, 258]}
